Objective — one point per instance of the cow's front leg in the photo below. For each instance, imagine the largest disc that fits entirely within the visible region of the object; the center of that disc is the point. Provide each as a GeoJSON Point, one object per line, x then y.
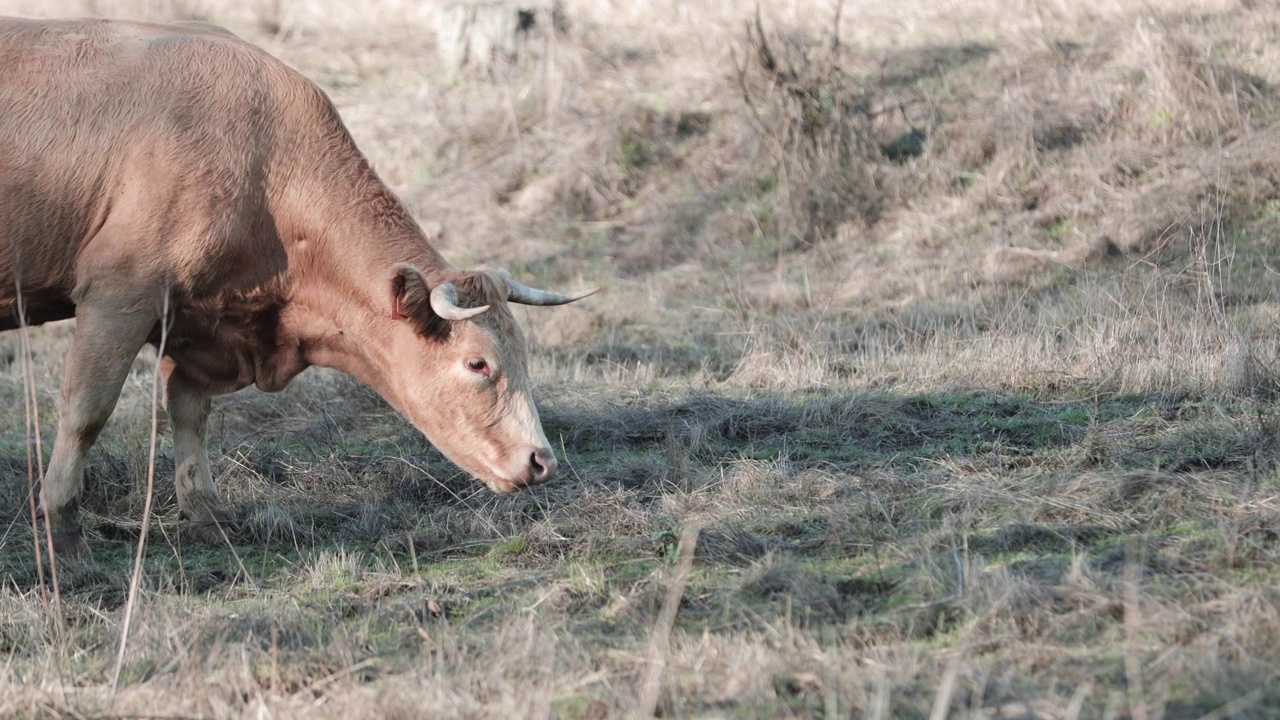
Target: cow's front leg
{"type": "Point", "coordinates": [108, 337]}
{"type": "Point", "coordinates": [197, 496]}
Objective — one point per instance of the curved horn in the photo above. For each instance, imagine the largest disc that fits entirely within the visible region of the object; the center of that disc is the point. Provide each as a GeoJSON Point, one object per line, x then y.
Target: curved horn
{"type": "Point", "coordinates": [444, 301]}
{"type": "Point", "coordinates": [525, 295]}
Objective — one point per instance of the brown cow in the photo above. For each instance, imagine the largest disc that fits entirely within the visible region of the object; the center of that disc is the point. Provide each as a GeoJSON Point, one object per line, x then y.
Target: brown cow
{"type": "Point", "coordinates": [165, 174]}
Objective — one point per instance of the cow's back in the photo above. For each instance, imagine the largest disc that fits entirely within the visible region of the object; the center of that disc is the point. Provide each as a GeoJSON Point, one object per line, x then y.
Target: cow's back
{"type": "Point", "coordinates": [168, 131]}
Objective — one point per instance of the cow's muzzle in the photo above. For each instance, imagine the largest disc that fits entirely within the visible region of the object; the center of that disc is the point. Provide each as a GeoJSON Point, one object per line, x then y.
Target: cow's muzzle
{"type": "Point", "coordinates": [538, 466]}
{"type": "Point", "coordinates": [542, 465]}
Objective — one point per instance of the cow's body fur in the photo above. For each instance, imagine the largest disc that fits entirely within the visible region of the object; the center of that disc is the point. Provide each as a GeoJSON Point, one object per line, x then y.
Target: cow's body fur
{"type": "Point", "coordinates": [153, 172]}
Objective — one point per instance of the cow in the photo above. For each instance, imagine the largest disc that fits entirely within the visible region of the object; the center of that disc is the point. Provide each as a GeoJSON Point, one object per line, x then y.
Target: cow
{"type": "Point", "coordinates": [174, 185]}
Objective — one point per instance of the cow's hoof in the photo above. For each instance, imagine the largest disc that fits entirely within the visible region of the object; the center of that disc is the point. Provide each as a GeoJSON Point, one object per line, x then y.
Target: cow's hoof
{"type": "Point", "coordinates": [68, 540]}
{"type": "Point", "coordinates": [216, 528]}
{"type": "Point", "coordinates": [214, 533]}
{"type": "Point", "coordinates": [209, 521]}
{"type": "Point", "coordinates": [69, 543]}
{"type": "Point", "coordinates": [62, 530]}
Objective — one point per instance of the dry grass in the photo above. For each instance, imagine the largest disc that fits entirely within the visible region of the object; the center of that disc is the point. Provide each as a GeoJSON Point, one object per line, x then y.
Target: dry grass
{"type": "Point", "coordinates": [956, 338]}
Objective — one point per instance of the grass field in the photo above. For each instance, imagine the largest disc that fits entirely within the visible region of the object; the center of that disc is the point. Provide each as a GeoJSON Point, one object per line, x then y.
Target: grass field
{"type": "Point", "coordinates": [936, 375]}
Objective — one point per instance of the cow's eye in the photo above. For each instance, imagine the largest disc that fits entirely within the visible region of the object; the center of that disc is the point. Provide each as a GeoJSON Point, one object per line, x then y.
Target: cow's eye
{"type": "Point", "coordinates": [478, 365]}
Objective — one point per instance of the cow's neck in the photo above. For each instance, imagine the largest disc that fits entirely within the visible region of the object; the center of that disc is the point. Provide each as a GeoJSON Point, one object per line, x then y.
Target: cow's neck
{"type": "Point", "coordinates": [341, 260]}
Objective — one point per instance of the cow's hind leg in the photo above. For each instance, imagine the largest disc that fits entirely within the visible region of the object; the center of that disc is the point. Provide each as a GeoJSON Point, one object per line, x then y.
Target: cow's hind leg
{"type": "Point", "coordinates": [197, 495]}
{"type": "Point", "coordinates": [107, 339]}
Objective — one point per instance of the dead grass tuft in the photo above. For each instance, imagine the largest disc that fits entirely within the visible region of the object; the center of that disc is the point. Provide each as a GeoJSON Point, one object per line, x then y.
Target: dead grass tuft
{"type": "Point", "coordinates": [1187, 88]}
{"type": "Point", "coordinates": [803, 595]}
{"type": "Point", "coordinates": [730, 544]}
{"type": "Point", "coordinates": [269, 522]}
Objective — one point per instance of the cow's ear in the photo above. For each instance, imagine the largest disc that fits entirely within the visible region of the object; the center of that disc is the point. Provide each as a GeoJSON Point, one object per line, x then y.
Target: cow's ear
{"type": "Point", "coordinates": [411, 301]}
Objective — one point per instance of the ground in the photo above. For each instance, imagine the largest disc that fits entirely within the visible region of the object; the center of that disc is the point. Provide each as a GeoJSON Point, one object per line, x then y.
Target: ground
{"type": "Point", "coordinates": [935, 375]}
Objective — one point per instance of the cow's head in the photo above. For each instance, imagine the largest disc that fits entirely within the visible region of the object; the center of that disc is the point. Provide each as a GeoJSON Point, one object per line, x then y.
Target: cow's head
{"type": "Point", "coordinates": [464, 377]}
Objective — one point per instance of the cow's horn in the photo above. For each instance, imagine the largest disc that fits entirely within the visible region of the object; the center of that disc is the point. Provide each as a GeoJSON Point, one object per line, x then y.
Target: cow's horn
{"type": "Point", "coordinates": [444, 301]}
{"type": "Point", "coordinates": [525, 295]}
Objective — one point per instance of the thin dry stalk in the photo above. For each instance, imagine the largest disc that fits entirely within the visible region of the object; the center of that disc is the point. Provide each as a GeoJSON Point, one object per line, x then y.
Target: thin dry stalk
{"type": "Point", "coordinates": [33, 432]}
{"type": "Point", "coordinates": [244, 572]}
{"type": "Point", "coordinates": [1132, 632]}
{"type": "Point", "coordinates": [959, 591]}
{"type": "Point", "coordinates": [1235, 708]}
{"type": "Point", "coordinates": [136, 579]}
{"type": "Point", "coordinates": [660, 639]}
{"type": "Point", "coordinates": [1076, 706]}
{"type": "Point", "coordinates": [31, 471]}
{"type": "Point", "coordinates": [942, 702]}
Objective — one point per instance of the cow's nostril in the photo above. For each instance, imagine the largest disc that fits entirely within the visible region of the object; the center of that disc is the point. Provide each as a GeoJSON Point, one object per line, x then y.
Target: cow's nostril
{"type": "Point", "coordinates": [543, 463]}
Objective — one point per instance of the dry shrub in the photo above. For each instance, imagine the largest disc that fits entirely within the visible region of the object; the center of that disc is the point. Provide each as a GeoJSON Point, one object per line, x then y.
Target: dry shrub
{"type": "Point", "coordinates": [814, 120]}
